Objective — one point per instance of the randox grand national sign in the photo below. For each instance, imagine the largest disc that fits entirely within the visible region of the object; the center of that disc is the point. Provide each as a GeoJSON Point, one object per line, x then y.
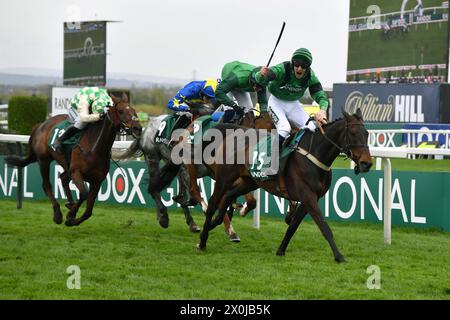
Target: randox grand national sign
{"type": "Point", "coordinates": [418, 199]}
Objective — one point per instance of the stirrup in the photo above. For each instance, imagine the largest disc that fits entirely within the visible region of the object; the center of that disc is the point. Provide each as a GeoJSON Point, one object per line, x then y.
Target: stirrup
{"type": "Point", "coordinates": [57, 146]}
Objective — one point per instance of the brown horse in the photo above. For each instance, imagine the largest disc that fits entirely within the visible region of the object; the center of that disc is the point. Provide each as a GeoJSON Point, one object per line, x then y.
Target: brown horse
{"type": "Point", "coordinates": [307, 175]}
{"type": "Point", "coordinates": [160, 178]}
{"type": "Point", "coordinates": [88, 161]}
{"type": "Point", "coordinates": [263, 121]}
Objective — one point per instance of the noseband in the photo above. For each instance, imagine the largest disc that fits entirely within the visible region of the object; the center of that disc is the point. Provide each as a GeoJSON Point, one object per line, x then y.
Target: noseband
{"type": "Point", "coordinates": [122, 124]}
{"type": "Point", "coordinates": [347, 149]}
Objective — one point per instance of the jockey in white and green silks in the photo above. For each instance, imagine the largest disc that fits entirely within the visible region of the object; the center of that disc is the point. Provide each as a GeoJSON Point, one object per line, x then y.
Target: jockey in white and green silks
{"type": "Point", "coordinates": [287, 82]}
{"type": "Point", "coordinates": [89, 104]}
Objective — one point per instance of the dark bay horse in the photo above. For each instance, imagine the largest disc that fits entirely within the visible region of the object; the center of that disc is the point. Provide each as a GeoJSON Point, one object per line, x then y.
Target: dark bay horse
{"type": "Point", "coordinates": [264, 121]}
{"type": "Point", "coordinates": [307, 175]}
{"type": "Point", "coordinates": [161, 177]}
{"type": "Point", "coordinates": [88, 161]}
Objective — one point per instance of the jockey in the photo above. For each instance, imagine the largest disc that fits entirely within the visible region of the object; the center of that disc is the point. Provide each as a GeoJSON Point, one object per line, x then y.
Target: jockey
{"type": "Point", "coordinates": [194, 94]}
{"type": "Point", "coordinates": [95, 98]}
{"type": "Point", "coordinates": [287, 83]}
{"type": "Point", "coordinates": [238, 80]}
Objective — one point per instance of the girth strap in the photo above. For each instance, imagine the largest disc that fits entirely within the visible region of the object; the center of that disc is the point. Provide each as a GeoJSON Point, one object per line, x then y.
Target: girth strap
{"type": "Point", "coordinates": [313, 159]}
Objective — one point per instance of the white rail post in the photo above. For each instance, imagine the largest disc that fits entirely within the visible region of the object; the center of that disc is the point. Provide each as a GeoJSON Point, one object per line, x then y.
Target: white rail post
{"type": "Point", "coordinates": [387, 200]}
{"type": "Point", "coordinates": [257, 210]}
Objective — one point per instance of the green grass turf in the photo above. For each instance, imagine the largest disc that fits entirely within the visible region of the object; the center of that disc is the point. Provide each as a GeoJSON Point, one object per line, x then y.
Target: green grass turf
{"type": "Point", "coordinates": [124, 254]}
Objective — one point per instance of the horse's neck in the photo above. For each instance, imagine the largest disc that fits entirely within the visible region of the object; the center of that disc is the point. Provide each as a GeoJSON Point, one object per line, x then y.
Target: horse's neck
{"type": "Point", "coordinates": [105, 138]}
{"type": "Point", "coordinates": [322, 148]}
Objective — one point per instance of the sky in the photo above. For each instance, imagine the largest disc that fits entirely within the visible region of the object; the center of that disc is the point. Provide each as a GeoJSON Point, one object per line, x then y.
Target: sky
{"type": "Point", "coordinates": [180, 39]}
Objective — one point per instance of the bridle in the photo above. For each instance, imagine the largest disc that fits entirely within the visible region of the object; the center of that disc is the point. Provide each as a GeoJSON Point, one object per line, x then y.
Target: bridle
{"type": "Point", "coordinates": [123, 127]}
{"type": "Point", "coordinates": [347, 148]}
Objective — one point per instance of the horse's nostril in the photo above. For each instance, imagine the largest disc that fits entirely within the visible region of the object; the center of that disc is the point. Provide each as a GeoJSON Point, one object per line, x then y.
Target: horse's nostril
{"type": "Point", "coordinates": [366, 165]}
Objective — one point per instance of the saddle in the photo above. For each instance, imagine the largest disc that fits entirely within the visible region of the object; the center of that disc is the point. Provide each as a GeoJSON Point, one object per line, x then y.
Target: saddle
{"type": "Point", "coordinates": [67, 144]}
{"type": "Point", "coordinates": [261, 167]}
{"type": "Point", "coordinates": [59, 130]}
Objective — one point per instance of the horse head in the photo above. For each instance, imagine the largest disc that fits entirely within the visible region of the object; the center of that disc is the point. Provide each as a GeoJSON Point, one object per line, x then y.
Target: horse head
{"type": "Point", "coordinates": [355, 141]}
{"type": "Point", "coordinates": [124, 116]}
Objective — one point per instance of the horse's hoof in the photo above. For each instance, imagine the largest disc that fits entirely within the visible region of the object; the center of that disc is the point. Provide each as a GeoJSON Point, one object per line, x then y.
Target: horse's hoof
{"type": "Point", "coordinates": [280, 253]}
{"type": "Point", "coordinates": [192, 202]}
{"type": "Point", "coordinates": [179, 199]}
{"type": "Point", "coordinates": [70, 223]}
{"type": "Point", "coordinates": [339, 259]}
{"type": "Point", "coordinates": [58, 219]}
{"type": "Point", "coordinates": [200, 248]}
{"type": "Point", "coordinates": [234, 237]}
{"type": "Point", "coordinates": [164, 222]}
{"type": "Point", "coordinates": [194, 228]}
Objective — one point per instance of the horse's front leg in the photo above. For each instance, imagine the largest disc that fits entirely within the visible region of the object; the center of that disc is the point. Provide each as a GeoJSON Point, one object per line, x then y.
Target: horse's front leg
{"type": "Point", "coordinates": [153, 190]}
{"type": "Point", "coordinates": [78, 180]}
{"type": "Point", "coordinates": [239, 187]}
{"type": "Point", "coordinates": [290, 214]}
{"type": "Point", "coordinates": [44, 167]}
{"type": "Point", "coordinates": [297, 216]}
{"type": "Point", "coordinates": [183, 198]}
{"type": "Point", "coordinates": [250, 204]}
{"type": "Point", "coordinates": [92, 195]}
{"type": "Point", "coordinates": [65, 179]}
{"type": "Point", "coordinates": [213, 203]}
{"type": "Point", "coordinates": [312, 206]}
{"type": "Point", "coordinates": [193, 187]}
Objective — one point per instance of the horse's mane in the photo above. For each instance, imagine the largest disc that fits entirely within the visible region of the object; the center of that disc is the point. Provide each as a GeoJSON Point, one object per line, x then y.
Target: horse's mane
{"type": "Point", "coordinates": [332, 122]}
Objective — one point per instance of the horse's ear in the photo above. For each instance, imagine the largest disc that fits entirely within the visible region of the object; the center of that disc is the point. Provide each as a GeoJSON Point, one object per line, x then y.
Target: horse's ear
{"type": "Point", "coordinates": [358, 114]}
{"type": "Point", "coordinates": [114, 98]}
{"type": "Point", "coordinates": [124, 97]}
{"type": "Point", "coordinates": [345, 113]}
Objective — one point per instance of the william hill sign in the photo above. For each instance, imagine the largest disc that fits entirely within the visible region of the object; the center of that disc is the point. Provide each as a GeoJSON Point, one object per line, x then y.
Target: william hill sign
{"type": "Point", "coordinates": [404, 103]}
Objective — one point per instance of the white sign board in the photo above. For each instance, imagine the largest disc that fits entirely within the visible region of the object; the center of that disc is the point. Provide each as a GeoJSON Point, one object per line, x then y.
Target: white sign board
{"type": "Point", "coordinates": [61, 97]}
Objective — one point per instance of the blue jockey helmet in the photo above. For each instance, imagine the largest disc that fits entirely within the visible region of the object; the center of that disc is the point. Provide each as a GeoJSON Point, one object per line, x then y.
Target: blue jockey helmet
{"type": "Point", "coordinates": [209, 88]}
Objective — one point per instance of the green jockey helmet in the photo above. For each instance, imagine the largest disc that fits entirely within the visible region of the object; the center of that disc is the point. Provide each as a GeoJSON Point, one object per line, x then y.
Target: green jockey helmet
{"type": "Point", "coordinates": [302, 55]}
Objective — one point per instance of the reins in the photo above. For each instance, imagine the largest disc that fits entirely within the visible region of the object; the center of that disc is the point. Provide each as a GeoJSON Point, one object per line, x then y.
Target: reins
{"type": "Point", "coordinates": [345, 150]}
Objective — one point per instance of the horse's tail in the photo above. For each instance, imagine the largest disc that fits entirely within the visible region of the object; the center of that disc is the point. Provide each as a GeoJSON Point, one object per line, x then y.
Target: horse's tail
{"type": "Point", "coordinates": [135, 150]}
{"type": "Point", "coordinates": [23, 161]}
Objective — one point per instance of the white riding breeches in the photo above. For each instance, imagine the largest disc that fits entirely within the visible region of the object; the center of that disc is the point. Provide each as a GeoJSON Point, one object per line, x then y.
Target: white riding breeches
{"type": "Point", "coordinates": [284, 112]}
{"type": "Point", "coordinates": [74, 117]}
{"type": "Point", "coordinates": [243, 99]}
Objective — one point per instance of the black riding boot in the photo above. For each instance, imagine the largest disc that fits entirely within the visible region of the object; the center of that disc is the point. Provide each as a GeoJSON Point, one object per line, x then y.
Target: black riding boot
{"type": "Point", "coordinates": [280, 143]}
{"type": "Point", "coordinates": [70, 131]}
{"type": "Point", "coordinates": [274, 171]}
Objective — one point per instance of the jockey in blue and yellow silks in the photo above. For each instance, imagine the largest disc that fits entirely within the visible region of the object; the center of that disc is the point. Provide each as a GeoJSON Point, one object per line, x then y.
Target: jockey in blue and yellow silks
{"type": "Point", "coordinates": [194, 93]}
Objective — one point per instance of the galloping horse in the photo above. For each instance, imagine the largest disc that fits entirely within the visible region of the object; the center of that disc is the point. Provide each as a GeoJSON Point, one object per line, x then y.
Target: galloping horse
{"type": "Point", "coordinates": [264, 121]}
{"type": "Point", "coordinates": [88, 161]}
{"type": "Point", "coordinates": [160, 178]}
{"type": "Point", "coordinates": [307, 175]}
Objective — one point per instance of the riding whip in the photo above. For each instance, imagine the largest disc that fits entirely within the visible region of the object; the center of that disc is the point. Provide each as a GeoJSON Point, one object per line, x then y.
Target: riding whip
{"type": "Point", "coordinates": [279, 37]}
